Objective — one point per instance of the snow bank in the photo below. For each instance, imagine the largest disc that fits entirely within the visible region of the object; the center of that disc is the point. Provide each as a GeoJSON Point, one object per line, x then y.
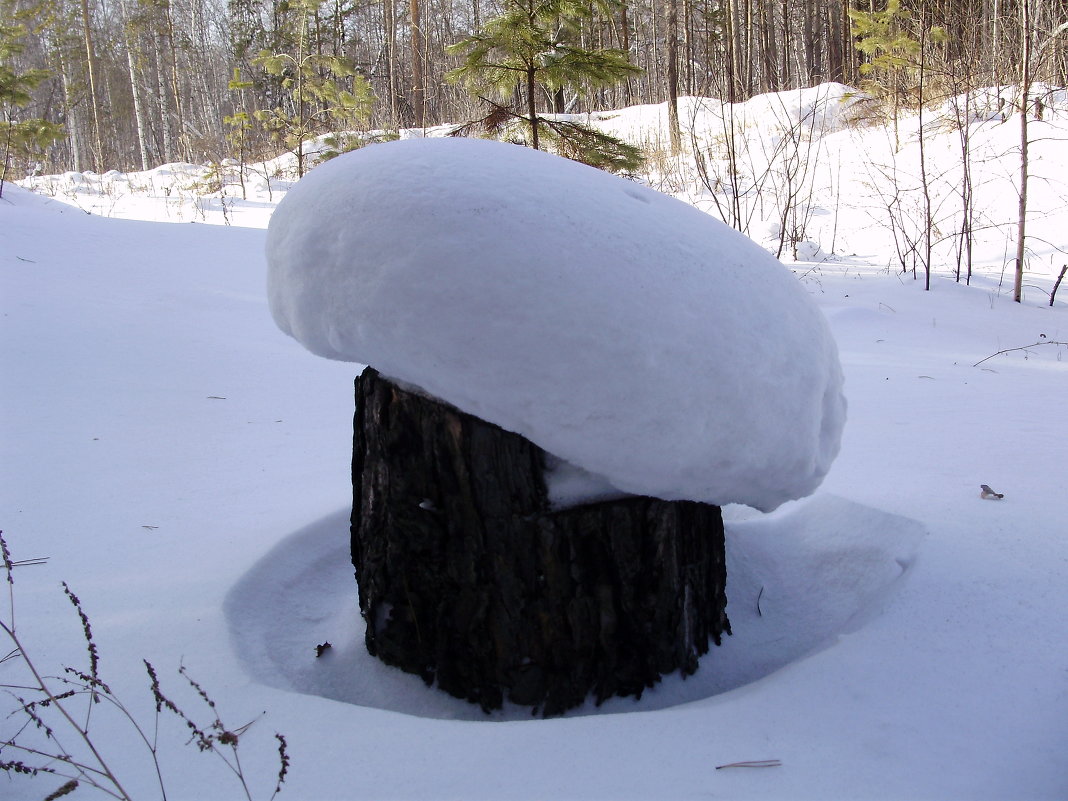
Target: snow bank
{"type": "Point", "coordinates": [617, 328]}
{"type": "Point", "coordinates": [819, 109]}
{"type": "Point", "coordinates": [814, 111]}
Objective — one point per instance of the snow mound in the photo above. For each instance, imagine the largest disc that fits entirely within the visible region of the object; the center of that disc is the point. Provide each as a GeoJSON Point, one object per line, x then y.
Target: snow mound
{"type": "Point", "coordinates": [621, 330]}
{"type": "Point", "coordinates": [817, 109]}
{"type": "Point", "coordinates": [800, 579]}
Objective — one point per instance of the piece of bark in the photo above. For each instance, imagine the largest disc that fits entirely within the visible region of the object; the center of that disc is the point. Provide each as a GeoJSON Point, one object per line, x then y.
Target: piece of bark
{"type": "Point", "coordinates": [467, 578]}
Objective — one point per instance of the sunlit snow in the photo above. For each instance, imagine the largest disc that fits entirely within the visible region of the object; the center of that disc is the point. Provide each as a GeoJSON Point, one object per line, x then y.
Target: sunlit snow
{"type": "Point", "coordinates": [185, 466]}
{"type": "Point", "coordinates": [617, 328]}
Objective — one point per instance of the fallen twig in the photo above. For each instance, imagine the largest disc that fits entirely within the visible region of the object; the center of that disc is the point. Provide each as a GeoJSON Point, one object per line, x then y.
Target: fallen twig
{"type": "Point", "coordinates": [759, 763]}
{"type": "Point", "coordinates": [1022, 347]}
{"type": "Point", "coordinates": [37, 560]}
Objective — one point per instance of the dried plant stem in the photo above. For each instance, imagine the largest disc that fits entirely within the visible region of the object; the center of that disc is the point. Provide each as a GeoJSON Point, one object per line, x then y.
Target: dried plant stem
{"type": "Point", "coordinates": [58, 760]}
{"type": "Point", "coordinates": [55, 702]}
{"type": "Point", "coordinates": [151, 745]}
{"type": "Point", "coordinates": [69, 787]}
{"type": "Point", "coordinates": [9, 568]}
{"type": "Point", "coordinates": [225, 737]}
{"type": "Point", "coordinates": [1021, 347]}
{"type": "Point", "coordinates": [236, 768]}
{"type": "Point", "coordinates": [759, 763]}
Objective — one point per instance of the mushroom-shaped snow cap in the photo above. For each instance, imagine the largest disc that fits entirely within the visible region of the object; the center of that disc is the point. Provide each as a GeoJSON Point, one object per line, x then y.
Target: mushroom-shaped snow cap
{"type": "Point", "coordinates": [623, 331]}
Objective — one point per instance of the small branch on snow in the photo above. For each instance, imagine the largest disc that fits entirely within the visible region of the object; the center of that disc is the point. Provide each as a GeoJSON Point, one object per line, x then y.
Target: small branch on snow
{"type": "Point", "coordinates": [1022, 347]}
{"type": "Point", "coordinates": [760, 763]}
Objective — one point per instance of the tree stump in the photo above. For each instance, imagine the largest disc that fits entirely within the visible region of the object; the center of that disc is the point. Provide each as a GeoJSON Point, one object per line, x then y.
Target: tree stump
{"type": "Point", "coordinates": [469, 579]}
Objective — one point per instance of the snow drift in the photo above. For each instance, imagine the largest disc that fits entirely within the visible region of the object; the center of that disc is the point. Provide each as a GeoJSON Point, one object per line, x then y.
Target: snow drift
{"type": "Point", "coordinates": [621, 330]}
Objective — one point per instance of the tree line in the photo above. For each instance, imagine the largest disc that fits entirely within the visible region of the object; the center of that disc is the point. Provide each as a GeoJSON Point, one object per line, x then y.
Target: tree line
{"type": "Point", "coordinates": [138, 83]}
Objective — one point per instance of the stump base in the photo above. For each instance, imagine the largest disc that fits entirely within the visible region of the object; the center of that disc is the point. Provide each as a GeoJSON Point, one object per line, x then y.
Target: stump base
{"type": "Point", "coordinates": [468, 579]}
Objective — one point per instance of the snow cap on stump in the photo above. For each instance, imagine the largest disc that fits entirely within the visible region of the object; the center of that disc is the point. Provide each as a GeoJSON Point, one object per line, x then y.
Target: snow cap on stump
{"type": "Point", "coordinates": [621, 330]}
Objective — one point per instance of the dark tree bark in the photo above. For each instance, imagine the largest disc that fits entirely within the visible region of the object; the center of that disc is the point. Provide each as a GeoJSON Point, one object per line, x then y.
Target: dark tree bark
{"type": "Point", "coordinates": [468, 578]}
{"type": "Point", "coordinates": [673, 76]}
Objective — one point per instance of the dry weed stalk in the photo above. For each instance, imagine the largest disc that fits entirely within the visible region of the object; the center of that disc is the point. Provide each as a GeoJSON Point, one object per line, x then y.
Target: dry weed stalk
{"type": "Point", "coordinates": [49, 740]}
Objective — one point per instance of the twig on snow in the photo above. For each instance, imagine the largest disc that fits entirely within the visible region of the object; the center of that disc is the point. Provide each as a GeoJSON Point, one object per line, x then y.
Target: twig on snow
{"type": "Point", "coordinates": [759, 763]}
{"type": "Point", "coordinates": [1022, 347]}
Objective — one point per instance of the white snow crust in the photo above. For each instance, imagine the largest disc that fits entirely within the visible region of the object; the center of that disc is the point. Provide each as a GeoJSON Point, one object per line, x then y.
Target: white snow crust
{"type": "Point", "coordinates": [621, 330]}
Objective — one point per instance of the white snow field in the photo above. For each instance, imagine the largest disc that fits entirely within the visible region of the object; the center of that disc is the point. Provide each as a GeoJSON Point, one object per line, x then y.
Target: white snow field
{"type": "Point", "coordinates": [184, 466]}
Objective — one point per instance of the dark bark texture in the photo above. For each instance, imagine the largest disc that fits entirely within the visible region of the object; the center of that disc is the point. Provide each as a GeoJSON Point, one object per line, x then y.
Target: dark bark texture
{"type": "Point", "coordinates": [468, 578]}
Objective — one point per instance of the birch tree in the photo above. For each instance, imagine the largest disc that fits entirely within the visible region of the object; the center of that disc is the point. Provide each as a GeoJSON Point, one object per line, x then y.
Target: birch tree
{"type": "Point", "coordinates": [132, 63]}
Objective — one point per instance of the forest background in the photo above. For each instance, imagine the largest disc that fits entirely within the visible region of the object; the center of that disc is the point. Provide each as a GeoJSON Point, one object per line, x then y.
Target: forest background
{"type": "Point", "coordinates": [131, 84]}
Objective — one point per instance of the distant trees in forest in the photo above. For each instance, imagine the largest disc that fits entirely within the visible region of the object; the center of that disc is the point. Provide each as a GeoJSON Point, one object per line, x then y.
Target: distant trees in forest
{"type": "Point", "coordinates": [135, 83]}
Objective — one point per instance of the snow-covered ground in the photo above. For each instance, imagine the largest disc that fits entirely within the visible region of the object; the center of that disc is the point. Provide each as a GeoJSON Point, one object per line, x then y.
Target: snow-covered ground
{"type": "Point", "coordinates": [185, 467]}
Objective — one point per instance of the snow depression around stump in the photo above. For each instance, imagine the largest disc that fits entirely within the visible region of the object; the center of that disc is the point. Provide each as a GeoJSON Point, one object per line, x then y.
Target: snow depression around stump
{"type": "Point", "coordinates": [649, 347]}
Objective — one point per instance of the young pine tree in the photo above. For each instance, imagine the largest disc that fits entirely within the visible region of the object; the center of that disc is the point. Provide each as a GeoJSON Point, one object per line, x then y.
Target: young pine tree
{"type": "Point", "coordinates": [528, 51]}
{"type": "Point", "coordinates": [894, 42]}
{"type": "Point", "coordinates": [898, 45]}
{"type": "Point", "coordinates": [326, 91]}
{"type": "Point", "coordinates": [20, 137]}
{"type": "Point", "coordinates": [239, 126]}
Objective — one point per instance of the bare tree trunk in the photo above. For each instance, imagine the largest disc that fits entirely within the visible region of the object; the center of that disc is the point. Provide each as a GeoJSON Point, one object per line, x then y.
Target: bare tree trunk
{"type": "Point", "coordinates": [925, 184]}
{"type": "Point", "coordinates": [74, 127]}
{"type": "Point", "coordinates": [787, 35]}
{"type": "Point", "coordinates": [836, 54]}
{"type": "Point", "coordinates": [94, 97]}
{"type": "Point", "coordinates": [176, 91]}
{"type": "Point", "coordinates": [653, 77]}
{"type": "Point", "coordinates": [418, 57]}
{"type": "Point", "coordinates": [673, 75]}
{"type": "Point", "coordinates": [733, 38]}
{"type": "Point", "coordinates": [813, 43]}
{"type": "Point", "coordinates": [1025, 92]}
{"type": "Point", "coordinates": [765, 32]}
{"type": "Point", "coordinates": [532, 106]}
{"type": "Point", "coordinates": [689, 55]}
{"type": "Point", "coordinates": [962, 72]}
{"type": "Point", "coordinates": [995, 41]}
{"type": "Point", "coordinates": [135, 86]}
{"type": "Point", "coordinates": [301, 105]}
{"type": "Point", "coordinates": [624, 45]}
{"type": "Point", "coordinates": [747, 48]}
{"type": "Point", "coordinates": [776, 47]}
{"type": "Point", "coordinates": [161, 98]}
{"type": "Point", "coordinates": [389, 25]}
